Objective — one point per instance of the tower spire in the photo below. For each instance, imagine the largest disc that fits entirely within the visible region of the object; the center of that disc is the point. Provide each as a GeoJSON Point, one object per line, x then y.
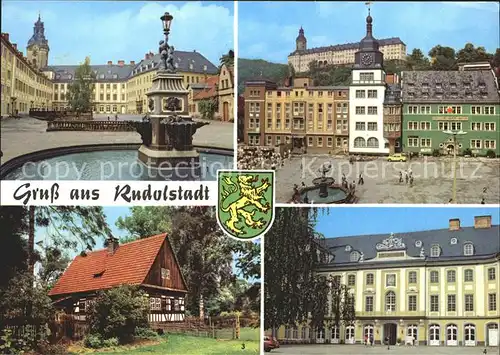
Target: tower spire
{"type": "Point", "coordinates": [368, 3]}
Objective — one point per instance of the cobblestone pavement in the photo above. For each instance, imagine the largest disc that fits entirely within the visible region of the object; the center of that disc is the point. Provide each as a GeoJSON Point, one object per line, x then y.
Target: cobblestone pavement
{"type": "Point", "coordinates": [433, 179]}
{"type": "Point", "coordinates": [378, 350]}
{"type": "Point", "coordinates": [27, 135]}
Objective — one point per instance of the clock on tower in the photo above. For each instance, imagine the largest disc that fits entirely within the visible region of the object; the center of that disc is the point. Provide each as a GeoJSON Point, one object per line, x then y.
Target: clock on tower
{"type": "Point", "coordinates": [367, 59]}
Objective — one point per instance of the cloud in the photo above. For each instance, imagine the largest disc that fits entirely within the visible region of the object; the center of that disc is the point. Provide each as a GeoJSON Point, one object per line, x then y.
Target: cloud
{"type": "Point", "coordinates": [480, 5]}
{"type": "Point", "coordinates": [107, 34]}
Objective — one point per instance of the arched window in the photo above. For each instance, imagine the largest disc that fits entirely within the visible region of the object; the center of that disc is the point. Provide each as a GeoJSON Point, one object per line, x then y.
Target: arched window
{"type": "Point", "coordinates": [359, 142]}
{"type": "Point", "coordinates": [372, 142]}
{"type": "Point", "coordinates": [354, 257]}
{"type": "Point", "coordinates": [469, 275]}
{"type": "Point", "coordinates": [390, 301]}
{"type": "Point", "coordinates": [470, 335]}
{"type": "Point", "coordinates": [369, 279]}
{"type": "Point", "coordinates": [468, 249]}
{"type": "Point", "coordinates": [435, 251]}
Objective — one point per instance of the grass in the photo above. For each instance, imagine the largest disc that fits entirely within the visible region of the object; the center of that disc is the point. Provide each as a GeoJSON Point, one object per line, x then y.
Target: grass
{"type": "Point", "coordinates": [185, 344]}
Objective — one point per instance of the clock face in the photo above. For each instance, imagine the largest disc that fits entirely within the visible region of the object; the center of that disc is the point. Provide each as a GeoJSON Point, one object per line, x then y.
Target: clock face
{"type": "Point", "coordinates": [366, 59]}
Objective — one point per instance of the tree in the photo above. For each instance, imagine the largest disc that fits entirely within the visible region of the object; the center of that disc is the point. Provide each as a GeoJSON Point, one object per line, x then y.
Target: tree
{"type": "Point", "coordinates": [471, 54]}
{"type": "Point", "coordinates": [118, 312]}
{"type": "Point", "coordinates": [292, 250]}
{"type": "Point", "coordinates": [208, 107]}
{"type": "Point", "coordinates": [329, 74]}
{"type": "Point", "coordinates": [227, 59]}
{"type": "Point", "coordinates": [53, 263]}
{"type": "Point", "coordinates": [443, 58]}
{"type": "Point", "coordinates": [495, 62]}
{"type": "Point", "coordinates": [81, 89]}
{"type": "Point", "coordinates": [146, 221]}
{"type": "Point", "coordinates": [417, 60]}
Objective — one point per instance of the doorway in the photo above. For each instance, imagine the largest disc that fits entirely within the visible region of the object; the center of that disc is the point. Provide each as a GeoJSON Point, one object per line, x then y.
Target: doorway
{"type": "Point", "coordinates": [434, 335]}
{"type": "Point", "coordinates": [349, 335]}
{"type": "Point", "coordinates": [225, 111]}
{"type": "Point", "coordinates": [492, 334]}
{"type": "Point", "coordinates": [368, 333]}
{"type": "Point", "coordinates": [390, 331]}
{"type": "Point", "coordinates": [451, 335]}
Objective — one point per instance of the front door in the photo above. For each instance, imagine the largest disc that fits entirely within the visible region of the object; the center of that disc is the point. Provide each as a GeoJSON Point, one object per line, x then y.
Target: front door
{"type": "Point", "coordinates": [123, 110]}
{"type": "Point", "coordinates": [493, 335]}
{"type": "Point", "coordinates": [390, 331]}
{"type": "Point", "coordinates": [434, 335]}
{"type": "Point", "coordinates": [320, 336]}
{"type": "Point", "coordinates": [412, 335]}
{"type": "Point", "coordinates": [349, 335]}
{"type": "Point", "coordinates": [335, 335]}
{"type": "Point", "coordinates": [225, 111]}
{"type": "Point", "coordinates": [368, 333]}
{"type": "Point", "coordinates": [470, 335]}
{"type": "Point", "coordinates": [452, 335]}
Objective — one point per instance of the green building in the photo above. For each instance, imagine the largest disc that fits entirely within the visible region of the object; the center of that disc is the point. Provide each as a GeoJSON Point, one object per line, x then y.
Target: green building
{"type": "Point", "coordinates": [438, 101]}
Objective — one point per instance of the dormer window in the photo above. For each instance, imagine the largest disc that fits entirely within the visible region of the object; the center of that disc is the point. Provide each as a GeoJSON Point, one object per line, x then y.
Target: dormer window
{"type": "Point", "coordinates": [438, 86]}
{"type": "Point", "coordinates": [453, 85]}
{"type": "Point", "coordinates": [468, 249]}
{"type": "Point", "coordinates": [101, 76]}
{"type": "Point", "coordinates": [70, 77]}
{"type": "Point", "coordinates": [425, 85]}
{"type": "Point", "coordinates": [354, 257]}
{"type": "Point", "coordinates": [99, 274]}
{"type": "Point", "coordinates": [435, 251]}
{"type": "Point", "coordinates": [115, 76]}
{"type": "Point", "coordinates": [347, 248]}
{"type": "Point", "coordinates": [453, 241]}
{"type": "Point", "coordinates": [418, 243]}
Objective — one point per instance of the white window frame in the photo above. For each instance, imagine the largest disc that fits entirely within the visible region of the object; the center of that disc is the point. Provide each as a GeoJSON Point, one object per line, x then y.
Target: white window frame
{"type": "Point", "coordinates": [468, 249]}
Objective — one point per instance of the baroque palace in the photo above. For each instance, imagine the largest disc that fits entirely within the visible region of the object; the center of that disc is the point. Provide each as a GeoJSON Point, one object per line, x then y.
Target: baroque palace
{"type": "Point", "coordinates": [436, 287]}
{"type": "Point", "coordinates": [30, 82]}
{"type": "Point", "coordinates": [377, 113]}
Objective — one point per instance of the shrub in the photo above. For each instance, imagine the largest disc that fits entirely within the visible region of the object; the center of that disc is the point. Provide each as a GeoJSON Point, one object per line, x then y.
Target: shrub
{"type": "Point", "coordinates": [44, 347]}
{"type": "Point", "coordinates": [117, 312]}
{"type": "Point", "coordinates": [436, 153]}
{"type": "Point", "coordinates": [145, 333]}
{"type": "Point", "coordinates": [111, 342]}
{"type": "Point", "coordinates": [491, 154]}
{"type": "Point", "coordinates": [93, 341]}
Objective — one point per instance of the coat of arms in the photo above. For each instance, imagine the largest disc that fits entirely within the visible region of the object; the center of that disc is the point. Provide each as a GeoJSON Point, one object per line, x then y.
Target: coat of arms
{"type": "Point", "coordinates": [245, 207]}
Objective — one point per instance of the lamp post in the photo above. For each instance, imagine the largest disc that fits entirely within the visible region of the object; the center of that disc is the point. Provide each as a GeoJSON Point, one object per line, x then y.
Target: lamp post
{"type": "Point", "coordinates": [454, 134]}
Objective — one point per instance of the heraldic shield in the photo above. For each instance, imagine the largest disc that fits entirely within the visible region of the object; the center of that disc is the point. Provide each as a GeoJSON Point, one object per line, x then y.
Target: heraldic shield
{"type": "Point", "coordinates": [245, 204]}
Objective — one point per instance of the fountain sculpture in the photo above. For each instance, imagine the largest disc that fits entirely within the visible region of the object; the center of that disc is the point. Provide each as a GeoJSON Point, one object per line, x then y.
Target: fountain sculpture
{"type": "Point", "coordinates": [167, 131]}
{"type": "Point", "coordinates": [323, 182]}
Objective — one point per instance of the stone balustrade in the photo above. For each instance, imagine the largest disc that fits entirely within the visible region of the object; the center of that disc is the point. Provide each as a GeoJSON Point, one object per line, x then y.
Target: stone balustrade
{"type": "Point", "coordinates": [94, 126]}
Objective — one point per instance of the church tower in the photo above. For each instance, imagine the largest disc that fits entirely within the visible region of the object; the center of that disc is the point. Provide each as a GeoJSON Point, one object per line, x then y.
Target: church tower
{"type": "Point", "coordinates": [38, 47]}
{"type": "Point", "coordinates": [301, 41]}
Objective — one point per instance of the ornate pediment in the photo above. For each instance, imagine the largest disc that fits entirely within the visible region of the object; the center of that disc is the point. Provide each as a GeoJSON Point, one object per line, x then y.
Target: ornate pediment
{"type": "Point", "coordinates": [391, 243]}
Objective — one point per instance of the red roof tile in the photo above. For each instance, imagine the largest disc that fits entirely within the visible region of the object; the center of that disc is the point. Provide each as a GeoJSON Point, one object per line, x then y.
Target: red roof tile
{"type": "Point", "coordinates": [210, 91]}
{"type": "Point", "coordinates": [128, 265]}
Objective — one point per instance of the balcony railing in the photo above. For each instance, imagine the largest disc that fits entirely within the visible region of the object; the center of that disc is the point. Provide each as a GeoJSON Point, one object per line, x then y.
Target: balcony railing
{"type": "Point", "coordinates": [369, 82]}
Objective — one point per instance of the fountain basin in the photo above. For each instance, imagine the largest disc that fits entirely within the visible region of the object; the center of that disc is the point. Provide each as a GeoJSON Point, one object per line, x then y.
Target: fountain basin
{"type": "Point", "coordinates": [109, 162]}
{"type": "Point", "coordinates": [336, 195]}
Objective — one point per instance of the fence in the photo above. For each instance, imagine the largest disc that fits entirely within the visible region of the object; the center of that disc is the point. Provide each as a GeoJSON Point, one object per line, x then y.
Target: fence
{"type": "Point", "coordinates": [90, 126]}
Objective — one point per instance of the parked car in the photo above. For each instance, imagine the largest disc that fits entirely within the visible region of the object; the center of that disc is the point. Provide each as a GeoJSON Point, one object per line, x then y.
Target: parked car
{"type": "Point", "coordinates": [397, 157]}
{"type": "Point", "coordinates": [270, 343]}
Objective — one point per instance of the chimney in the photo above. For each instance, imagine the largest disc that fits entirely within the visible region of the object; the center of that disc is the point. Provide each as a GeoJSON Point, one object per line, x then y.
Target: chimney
{"type": "Point", "coordinates": [110, 62]}
{"type": "Point", "coordinates": [132, 62]}
{"type": "Point", "coordinates": [121, 63]}
{"type": "Point", "coordinates": [146, 56]}
{"type": "Point", "coordinates": [112, 245]}
{"type": "Point", "coordinates": [6, 36]}
{"type": "Point", "coordinates": [454, 224]}
{"type": "Point", "coordinates": [482, 222]}
{"type": "Point", "coordinates": [14, 45]}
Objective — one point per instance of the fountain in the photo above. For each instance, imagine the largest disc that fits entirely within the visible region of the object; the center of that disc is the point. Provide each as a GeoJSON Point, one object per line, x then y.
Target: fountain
{"type": "Point", "coordinates": [324, 190]}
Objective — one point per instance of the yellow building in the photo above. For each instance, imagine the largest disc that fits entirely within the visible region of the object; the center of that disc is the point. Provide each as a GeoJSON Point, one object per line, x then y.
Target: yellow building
{"type": "Point", "coordinates": [313, 119]}
{"type": "Point", "coordinates": [437, 287]}
{"type": "Point", "coordinates": [24, 86]}
{"type": "Point", "coordinates": [193, 66]}
{"type": "Point", "coordinates": [225, 93]}
{"type": "Point", "coordinates": [340, 54]}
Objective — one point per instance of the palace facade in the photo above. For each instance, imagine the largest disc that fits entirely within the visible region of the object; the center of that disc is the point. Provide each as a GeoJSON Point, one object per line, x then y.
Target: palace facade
{"type": "Point", "coordinates": [339, 54]}
{"type": "Point", "coordinates": [435, 288]}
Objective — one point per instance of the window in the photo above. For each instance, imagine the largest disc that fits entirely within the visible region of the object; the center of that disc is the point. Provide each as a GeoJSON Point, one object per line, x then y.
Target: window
{"type": "Point", "coordinates": [372, 126]}
{"type": "Point", "coordinates": [469, 303]}
{"type": "Point", "coordinates": [469, 275]}
{"type": "Point", "coordinates": [413, 110]}
{"type": "Point", "coordinates": [412, 277]}
{"type": "Point", "coordinates": [490, 144]}
{"type": "Point", "coordinates": [369, 279]}
{"type": "Point", "coordinates": [319, 141]}
{"type": "Point", "coordinates": [468, 249]}
{"type": "Point", "coordinates": [337, 279]}
{"type": "Point", "coordinates": [434, 277]}
{"type": "Point", "coordinates": [412, 303]}
{"type": "Point", "coordinates": [425, 142]}
{"type": "Point", "coordinates": [360, 126]}
{"type": "Point", "coordinates": [366, 76]}
{"type": "Point", "coordinates": [369, 304]}
{"type": "Point", "coordinates": [491, 274]}
{"type": "Point", "coordinates": [475, 143]}
{"type": "Point", "coordinates": [489, 126]}
{"type": "Point", "coordinates": [360, 94]}
{"type": "Point", "coordinates": [452, 303]}
{"type": "Point", "coordinates": [451, 276]}
{"type": "Point", "coordinates": [489, 110]}
{"type": "Point", "coordinates": [390, 301]}
{"type": "Point", "coordinates": [372, 94]}
{"type": "Point", "coordinates": [354, 257]}
{"type": "Point", "coordinates": [360, 110]}
{"type": "Point", "coordinates": [165, 274]}
{"type": "Point", "coordinates": [425, 110]}
{"type": "Point", "coordinates": [434, 303]}
{"type": "Point", "coordinates": [492, 301]}
{"type": "Point", "coordinates": [412, 142]}
{"type": "Point", "coordinates": [425, 126]}
{"type": "Point", "coordinates": [310, 141]}
{"type": "Point", "coordinates": [475, 126]}
{"type": "Point", "coordinates": [412, 126]}
{"type": "Point", "coordinates": [372, 110]}
{"type": "Point", "coordinates": [155, 304]}
{"type": "Point", "coordinates": [372, 142]}
{"type": "Point", "coordinates": [351, 280]}
{"type": "Point", "coordinates": [359, 142]}
{"type": "Point", "coordinates": [329, 141]}
{"type": "Point", "coordinates": [304, 332]}
{"type": "Point", "coordinates": [390, 280]}
{"type": "Point", "coordinates": [435, 251]}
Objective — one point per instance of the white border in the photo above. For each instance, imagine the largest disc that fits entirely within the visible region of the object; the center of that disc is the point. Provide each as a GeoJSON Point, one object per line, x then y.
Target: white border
{"type": "Point", "coordinates": [235, 85]}
{"type": "Point", "coordinates": [273, 185]}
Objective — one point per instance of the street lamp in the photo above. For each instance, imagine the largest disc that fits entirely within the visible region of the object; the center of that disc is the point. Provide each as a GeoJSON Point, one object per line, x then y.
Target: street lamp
{"type": "Point", "coordinates": [166, 19]}
{"type": "Point", "coordinates": [454, 134]}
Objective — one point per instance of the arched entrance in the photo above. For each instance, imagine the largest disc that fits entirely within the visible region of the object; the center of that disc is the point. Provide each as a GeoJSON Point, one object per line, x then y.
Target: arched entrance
{"type": "Point", "coordinates": [451, 335]}
{"type": "Point", "coordinates": [492, 335]}
{"type": "Point", "coordinates": [320, 336]}
{"type": "Point", "coordinates": [391, 331]}
{"type": "Point", "coordinates": [349, 334]}
{"type": "Point", "coordinates": [368, 333]}
{"type": "Point", "coordinates": [470, 335]}
{"type": "Point", "coordinates": [412, 334]}
{"type": "Point", "coordinates": [434, 335]}
{"type": "Point", "coordinates": [335, 334]}
{"type": "Point", "coordinates": [449, 148]}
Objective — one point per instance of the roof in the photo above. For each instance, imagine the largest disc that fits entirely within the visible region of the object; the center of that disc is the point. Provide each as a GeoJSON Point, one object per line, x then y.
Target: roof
{"type": "Point", "coordinates": [210, 90]}
{"type": "Point", "coordinates": [486, 242]}
{"type": "Point", "coordinates": [104, 72]}
{"type": "Point", "coordinates": [129, 265]}
{"type": "Point", "coordinates": [193, 62]}
{"type": "Point", "coordinates": [38, 37]}
{"type": "Point", "coordinates": [346, 46]}
{"type": "Point", "coordinates": [474, 86]}
{"type": "Point", "coordinates": [392, 94]}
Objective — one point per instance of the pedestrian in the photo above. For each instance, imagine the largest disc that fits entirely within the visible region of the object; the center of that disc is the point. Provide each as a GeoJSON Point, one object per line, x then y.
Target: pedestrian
{"type": "Point", "coordinates": [366, 340]}
{"type": "Point", "coordinates": [406, 177]}
{"type": "Point", "coordinates": [361, 181]}
{"type": "Point", "coordinates": [400, 177]}
{"type": "Point", "coordinates": [353, 185]}
{"type": "Point", "coordinates": [303, 184]}
{"type": "Point", "coordinates": [371, 340]}
{"type": "Point", "coordinates": [387, 343]}
{"type": "Point", "coordinates": [482, 201]}
{"type": "Point", "coordinates": [411, 180]}
{"type": "Point", "coordinates": [306, 199]}
{"type": "Point", "coordinates": [109, 119]}
{"type": "Point", "coordinates": [116, 117]}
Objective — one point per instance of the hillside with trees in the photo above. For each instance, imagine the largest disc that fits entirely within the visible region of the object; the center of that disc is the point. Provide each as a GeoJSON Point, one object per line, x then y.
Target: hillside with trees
{"type": "Point", "coordinates": [257, 68]}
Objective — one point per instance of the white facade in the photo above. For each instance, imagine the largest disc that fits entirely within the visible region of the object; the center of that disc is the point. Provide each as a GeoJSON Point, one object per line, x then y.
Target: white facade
{"type": "Point", "coordinates": [366, 108]}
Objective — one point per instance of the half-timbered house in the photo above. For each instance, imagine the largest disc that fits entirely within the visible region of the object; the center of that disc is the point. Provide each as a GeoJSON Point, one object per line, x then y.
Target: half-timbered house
{"type": "Point", "coordinates": [149, 263]}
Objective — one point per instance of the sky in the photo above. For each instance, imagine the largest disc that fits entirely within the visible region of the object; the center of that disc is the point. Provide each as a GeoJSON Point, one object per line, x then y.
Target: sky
{"type": "Point", "coordinates": [268, 30]}
{"type": "Point", "coordinates": [342, 222]}
{"type": "Point", "coordinates": [120, 30]}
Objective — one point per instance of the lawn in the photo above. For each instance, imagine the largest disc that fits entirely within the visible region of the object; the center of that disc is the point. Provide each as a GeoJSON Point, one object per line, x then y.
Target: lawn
{"type": "Point", "coordinates": [184, 344]}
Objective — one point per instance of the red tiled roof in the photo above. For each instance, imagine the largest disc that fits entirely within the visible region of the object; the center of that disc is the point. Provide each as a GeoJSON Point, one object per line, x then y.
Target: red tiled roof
{"type": "Point", "coordinates": [208, 92]}
{"type": "Point", "coordinates": [129, 265]}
